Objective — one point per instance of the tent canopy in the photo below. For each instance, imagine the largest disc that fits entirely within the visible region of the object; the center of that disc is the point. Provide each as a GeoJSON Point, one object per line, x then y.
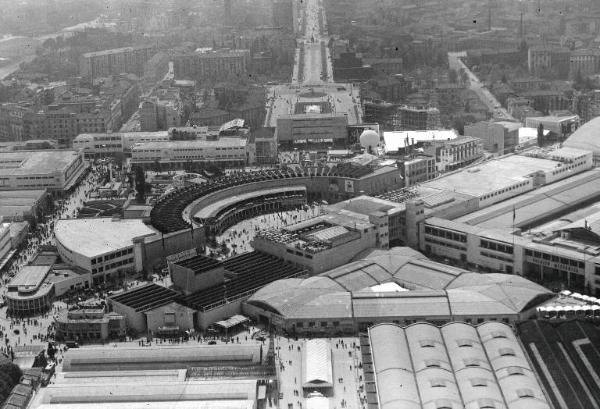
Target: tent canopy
{"type": "Point", "coordinates": [232, 322]}
{"type": "Point", "coordinates": [318, 371]}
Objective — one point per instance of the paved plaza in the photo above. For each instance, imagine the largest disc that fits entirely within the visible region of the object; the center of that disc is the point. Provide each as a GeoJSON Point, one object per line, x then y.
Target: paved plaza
{"type": "Point", "coordinates": [347, 373]}
{"type": "Point", "coordinates": [238, 239]}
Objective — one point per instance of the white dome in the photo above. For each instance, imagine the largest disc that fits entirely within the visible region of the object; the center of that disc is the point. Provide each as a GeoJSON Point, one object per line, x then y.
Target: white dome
{"type": "Point", "coordinates": [369, 138]}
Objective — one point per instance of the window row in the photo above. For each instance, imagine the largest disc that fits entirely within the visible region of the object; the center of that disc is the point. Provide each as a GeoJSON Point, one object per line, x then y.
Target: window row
{"type": "Point", "coordinates": [449, 235]}
{"type": "Point", "coordinates": [503, 248]}
{"type": "Point", "coordinates": [113, 265]}
{"type": "Point", "coordinates": [556, 259]}
{"type": "Point", "coordinates": [441, 243]}
{"type": "Point", "coordinates": [508, 189]}
{"type": "Point", "coordinates": [113, 255]}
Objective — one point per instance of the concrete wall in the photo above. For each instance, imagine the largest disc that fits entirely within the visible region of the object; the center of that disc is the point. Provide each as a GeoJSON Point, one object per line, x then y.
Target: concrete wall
{"type": "Point", "coordinates": [491, 135]}
{"type": "Point", "coordinates": [184, 318]}
{"type": "Point", "coordinates": [78, 281]}
{"type": "Point", "coordinates": [135, 320]}
{"type": "Point", "coordinates": [72, 257]}
{"type": "Point", "coordinates": [156, 248]}
{"type": "Point", "coordinates": [186, 281]}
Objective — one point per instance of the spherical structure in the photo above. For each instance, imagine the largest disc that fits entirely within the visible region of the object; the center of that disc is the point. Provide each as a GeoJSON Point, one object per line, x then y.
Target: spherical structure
{"type": "Point", "coordinates": [369, 139]}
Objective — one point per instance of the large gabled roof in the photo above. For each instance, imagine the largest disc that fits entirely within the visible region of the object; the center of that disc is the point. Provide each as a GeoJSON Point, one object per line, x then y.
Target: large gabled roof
{"type": "Point", "coordinates": [586, 137]}
{"type": "Point", "coordinates": [439, 289]}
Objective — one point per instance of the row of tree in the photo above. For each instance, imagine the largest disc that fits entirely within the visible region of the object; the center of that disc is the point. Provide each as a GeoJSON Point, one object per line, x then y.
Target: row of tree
{"type": "Point", "coordinates": [10, 375]}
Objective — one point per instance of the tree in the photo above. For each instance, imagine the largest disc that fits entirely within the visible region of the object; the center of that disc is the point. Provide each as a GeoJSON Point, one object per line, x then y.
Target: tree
{"type": "Point", "coordinates": [40, 360]}
{"type": "Point", "coordinates": [452, 76]}
{"type": "Point", "coordinates": [140, 183]}
{"type": "Point", "coordinates": [540, 135]}
{"type": "Point", "coordinates": [10, 374]}
{"type": "Point", "coordinates": [467, 106]}
{"type": "Point", "coordinates": [459, 125]}
{"type": "Point", "coordinates": [578, 80]}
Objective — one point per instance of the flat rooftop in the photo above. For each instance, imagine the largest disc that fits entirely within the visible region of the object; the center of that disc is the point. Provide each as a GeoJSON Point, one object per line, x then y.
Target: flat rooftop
{"type": "Point", "coordinates": [493, 175]}
{"type": "Point", "coordinates": [178, 404]}
{"type": "Point", "coordinates": [162, 357]}
{"type": "Point", "coordinates": [539, 204]}
{"type": "Point", "coordinates": [30, 276]}
{"type": "Point", "coordinates": [222, 142]}
{"type": "Point", "coordinates": [61, 274]}
{"type": "Point", "coordinates": [353, 221]}
{"type": "Point", "coordinates": [93, 237]}
{"type": "Point", "coordinates": [367, 205]}
{"type": "Point", "coordinates": [341, 99]}
{"type": "Point", "coordinates": [35, 162]}
{"type": "Point", "coordinates": [123, 135]}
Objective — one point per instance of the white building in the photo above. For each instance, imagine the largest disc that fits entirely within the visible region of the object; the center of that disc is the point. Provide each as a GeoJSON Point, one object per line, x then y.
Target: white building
{"type": "Point", "coordinates": [178, 154]}
{"type": "Point", "coordinates": [103, 246]}
{"type": "Point", "coordinates": [454, 154]}
{"type": "Point", "coordinates": [54, 170]}
{"type": "Point", "coordinates": [106, 144]}
{"type": "Point", "coordinates": [401, 142]}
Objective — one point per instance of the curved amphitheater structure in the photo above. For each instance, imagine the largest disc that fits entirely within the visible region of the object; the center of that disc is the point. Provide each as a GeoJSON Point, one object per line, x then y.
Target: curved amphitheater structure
{"type": "Point", "coordinates": [222, 202]}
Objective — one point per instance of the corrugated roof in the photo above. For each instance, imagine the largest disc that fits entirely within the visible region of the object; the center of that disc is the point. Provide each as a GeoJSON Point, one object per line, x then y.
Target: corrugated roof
{"type": "Point", "coordinates": [449, 372]}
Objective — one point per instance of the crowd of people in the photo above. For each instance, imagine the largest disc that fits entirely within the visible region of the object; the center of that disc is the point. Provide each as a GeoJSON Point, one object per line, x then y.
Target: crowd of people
{"type": "Point", "coordinates": [18, 331]}
{"type": "Point", "coordinates": [238, 239]}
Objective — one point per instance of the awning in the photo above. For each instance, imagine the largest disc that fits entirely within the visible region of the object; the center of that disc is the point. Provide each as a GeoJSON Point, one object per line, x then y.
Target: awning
{"type": "Point", "coordinates": [232, 322]}
{"type": "Point", "coordinates": [318, 371]}
{"type": "Point", "coordinates": [168, 329]}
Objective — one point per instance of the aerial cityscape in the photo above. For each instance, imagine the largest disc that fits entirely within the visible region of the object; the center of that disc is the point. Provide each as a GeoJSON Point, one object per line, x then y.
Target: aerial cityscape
{"type": "Point", "coordinates": [300, 204]}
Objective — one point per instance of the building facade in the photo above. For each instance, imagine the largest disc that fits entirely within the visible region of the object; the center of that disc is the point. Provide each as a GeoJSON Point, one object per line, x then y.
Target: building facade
{"type": "Point", "coordinates": [496, 137]}
{"type": "Point", "coordinates": [99, 145]}
{"type": "Point", "coordinates": [56, 171]}
{"type": "Point", "coordinates": [115, 61]}
{"type": "Point", "coordinates": [418, 169]}
{"type": "Point", "coordinates": [541, 60]}
{"type": "Point", "coordinates": [417, 119]}
{"type": "Point", "coordinates": [217, 64]}
{"type": "Point", "coordinates": [454, 154]}
{"type": "Point", "coordinates": [228, 152]}
{"type": "Point", "coordinates": [105, 247]}
{"type": "Point", "coordinates": [83, 325]}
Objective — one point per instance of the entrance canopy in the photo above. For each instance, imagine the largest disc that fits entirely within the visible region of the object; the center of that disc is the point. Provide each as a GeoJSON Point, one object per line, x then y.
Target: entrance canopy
{"type": "Point", "coordinates": [232, 322]}
{"type": "Point", "coordinates": [318, 372]}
